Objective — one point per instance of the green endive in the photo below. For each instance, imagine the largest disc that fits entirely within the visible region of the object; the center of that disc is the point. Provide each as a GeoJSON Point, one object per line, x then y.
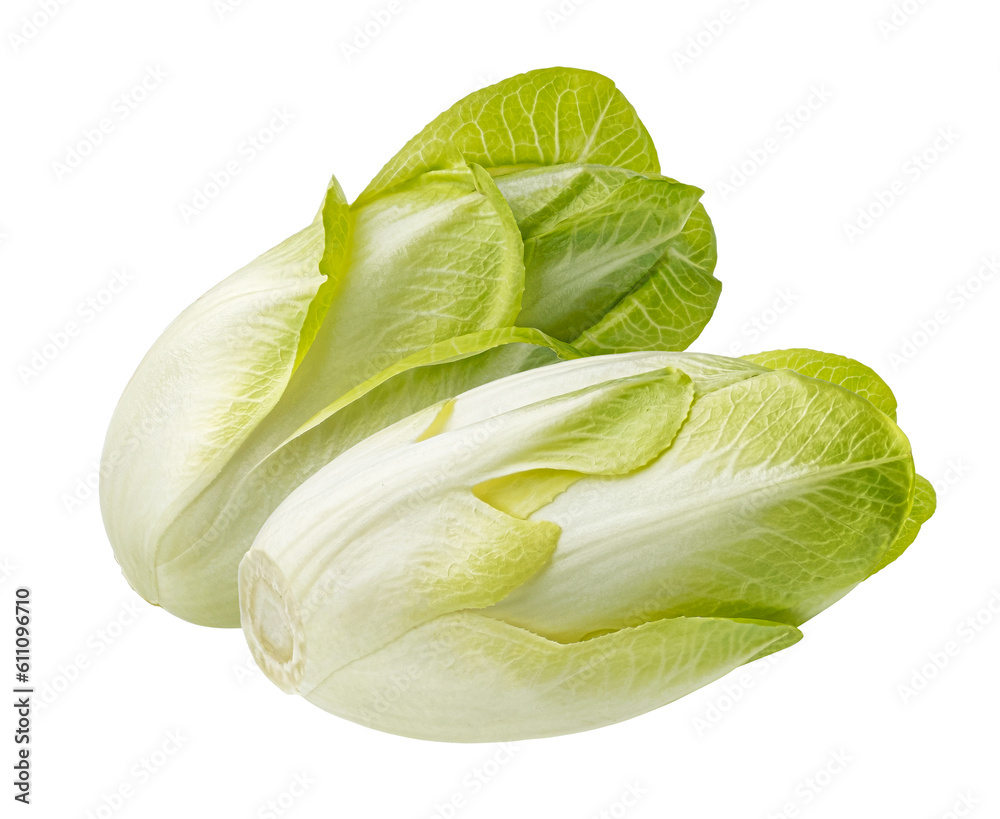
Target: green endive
{"type": "Point", "coordinates": [570, 547]}
{"type": "Point", "coordinates": [529, 222]}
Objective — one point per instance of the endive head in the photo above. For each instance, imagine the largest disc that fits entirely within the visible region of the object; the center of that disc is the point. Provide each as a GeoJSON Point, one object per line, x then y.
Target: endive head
{"type": "Point", "coordinates": [569, 547]}
{"type": "Point", "coordinates": [470, 257]}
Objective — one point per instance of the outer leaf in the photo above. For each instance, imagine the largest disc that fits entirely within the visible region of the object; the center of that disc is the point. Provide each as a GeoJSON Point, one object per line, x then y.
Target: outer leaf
{"type": "Point", "coordinates": [452, 350]}
{"type": "Point", "coordinates": [438, 257]}
{"type": "Point", "coordinates": [778, 496]}
{"type": "Point", "coordinates": [837, 369]}
{"type": "Point", "coordinates": [670, 308]}
{"type": "Point", "coordinates": [582, 262]}
{"type": "Point", "coordinates": [924, 503]}
{"type": "Point", "coordinates": [545, 117]}
{"type": "Point", "coordinates": [178, 424]}
{"type": "Point", "coordinates": [466, 678]}
{"type": "Point", "coordinates": [336, 216]}
{"type": "Point", "coordinates": [858, 378]}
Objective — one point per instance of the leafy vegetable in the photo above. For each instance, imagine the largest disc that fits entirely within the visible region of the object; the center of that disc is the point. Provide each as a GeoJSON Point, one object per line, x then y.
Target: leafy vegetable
{"type": "Point", "coordinates": [442, 457]}
{"type": "Point", "coordinates": [569, 547]}
{"type": "Point", "coordinates": [527, 223]}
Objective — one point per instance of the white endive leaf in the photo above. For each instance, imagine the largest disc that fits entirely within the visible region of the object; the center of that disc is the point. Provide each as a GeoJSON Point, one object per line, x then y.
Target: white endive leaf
{"type": "Point", "coordinates": [207, 382]}
{"type": "Point", "coordinates": [466, 678]}
{"type": "Point", "coordinates": [438, 257]}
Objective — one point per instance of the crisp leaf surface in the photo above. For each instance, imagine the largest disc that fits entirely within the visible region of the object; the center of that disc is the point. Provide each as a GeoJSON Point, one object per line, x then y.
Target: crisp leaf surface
{"type": "Point", "coordinates": [204, 386]}
{"type": "Point", "coordinates": [779, 495]}
{"type": "Point", "coordinates": [671, 306]}
{"type": "Point", "coordinates": [544, 117]}
{"type": "Point", "coordinates": [924, 503]}
{"type": "Point", "coordinates": [481, 680]}
{"type": "Point", "coordinates": [837, 369]}
{"type": "Point", "coordinates": [583, 258]}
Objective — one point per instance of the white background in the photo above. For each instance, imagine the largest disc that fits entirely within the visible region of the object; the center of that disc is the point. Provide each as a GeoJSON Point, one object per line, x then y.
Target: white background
{"type": "Point", "coordinates": [750, 745]}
